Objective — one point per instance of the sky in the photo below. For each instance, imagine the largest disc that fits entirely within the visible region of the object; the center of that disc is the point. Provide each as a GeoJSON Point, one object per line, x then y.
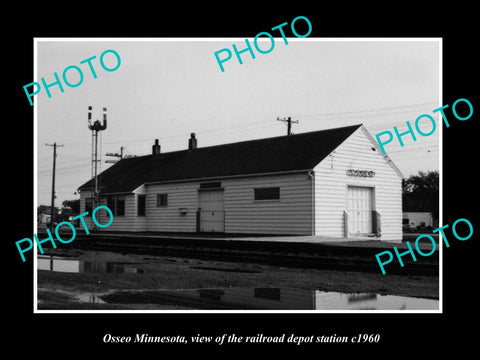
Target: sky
{"type": "Point", "coordinates": [168, 88]}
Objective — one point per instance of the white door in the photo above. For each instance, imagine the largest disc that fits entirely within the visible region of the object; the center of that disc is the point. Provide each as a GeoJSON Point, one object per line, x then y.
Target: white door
{"type": "Point", "coordinates": [359, 208]}
{"type": "Point", "coordinates": [212, 214]}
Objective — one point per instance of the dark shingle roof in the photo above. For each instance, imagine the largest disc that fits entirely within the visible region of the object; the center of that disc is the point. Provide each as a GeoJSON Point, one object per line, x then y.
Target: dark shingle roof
{"type": "Point", "coordinates": [277, 154]}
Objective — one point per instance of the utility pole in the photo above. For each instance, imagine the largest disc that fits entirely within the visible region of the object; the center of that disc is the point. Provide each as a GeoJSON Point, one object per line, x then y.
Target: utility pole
{"type": "Point", "coordinates": [115, 155]}
{"type": "Point", "coordinates": [53, 182]}
{"type": "Point", "coordinates": [289, 122]}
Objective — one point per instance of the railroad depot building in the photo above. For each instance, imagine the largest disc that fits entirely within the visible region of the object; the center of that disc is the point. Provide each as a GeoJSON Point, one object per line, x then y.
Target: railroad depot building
{"type": "Point", "coordinates": [333, 182]}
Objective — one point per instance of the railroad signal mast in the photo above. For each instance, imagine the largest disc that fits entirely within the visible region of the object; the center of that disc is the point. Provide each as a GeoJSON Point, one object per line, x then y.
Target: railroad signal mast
{"type": "Point", "coordinates": [96, 126]}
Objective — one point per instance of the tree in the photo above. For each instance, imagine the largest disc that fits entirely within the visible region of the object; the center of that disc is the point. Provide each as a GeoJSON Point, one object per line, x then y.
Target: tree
{"type": "Point", "coordinates": [421, 193]}
{"type": "Point", "coordinates": [45, 209]}
{"type": "Point", "coordinates": [74, 205]}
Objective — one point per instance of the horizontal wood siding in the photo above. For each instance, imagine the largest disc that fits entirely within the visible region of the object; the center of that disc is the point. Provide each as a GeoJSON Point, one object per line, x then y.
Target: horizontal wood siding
{"type": "Point", "coordinates": [83, 195]}
{"type": "Point", "coordinates": [168, 218]}
{"type": "Point", "coordinates": [292, 214]}
{"type": "Point", "coordinates": [128, 222]}
{"type": "Point", "coordinates": [88, 219]}
{"type": "Point", "coordinates": [289, 215]}
{"type": "Point", "coordinates": [331, 183]}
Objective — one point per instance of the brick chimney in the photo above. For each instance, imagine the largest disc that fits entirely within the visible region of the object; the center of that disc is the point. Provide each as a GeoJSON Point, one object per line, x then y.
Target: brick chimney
{"type": "Point", "coordinates": [156, 148]}
{"type": "Point", "coordinates": [192, 142]}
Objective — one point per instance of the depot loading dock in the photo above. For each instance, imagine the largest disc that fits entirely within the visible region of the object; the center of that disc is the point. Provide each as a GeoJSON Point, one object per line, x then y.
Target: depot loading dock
{"type": "Point", "coordinates": [333, 182]}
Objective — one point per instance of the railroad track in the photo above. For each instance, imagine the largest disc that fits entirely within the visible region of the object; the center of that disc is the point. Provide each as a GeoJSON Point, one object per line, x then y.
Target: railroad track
{"type": "Point", "coordinates": [293, 255]}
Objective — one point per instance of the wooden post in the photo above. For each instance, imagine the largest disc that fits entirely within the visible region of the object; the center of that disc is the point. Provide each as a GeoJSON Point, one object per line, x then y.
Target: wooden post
{"type": "Point", "coordinates": [345, 225]}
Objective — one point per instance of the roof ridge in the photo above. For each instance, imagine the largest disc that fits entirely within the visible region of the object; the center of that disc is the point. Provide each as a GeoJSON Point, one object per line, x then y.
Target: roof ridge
{"type": "Point", "coordinates": [254, 140]}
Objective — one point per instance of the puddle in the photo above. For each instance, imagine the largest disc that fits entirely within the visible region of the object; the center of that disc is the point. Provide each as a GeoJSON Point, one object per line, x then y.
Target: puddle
{"type": "Point", "coordinates": [90, 298]}
{"type": "Point", "coordinates": [227, 298]}
{"type": "Point", "coordinates": [62, 264]}
{"type": "Point", "coordinates": [270, 299]}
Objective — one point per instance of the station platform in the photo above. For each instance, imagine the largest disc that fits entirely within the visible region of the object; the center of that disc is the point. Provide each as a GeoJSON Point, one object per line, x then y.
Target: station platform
{"type": "Point", "coordinates": [255, 238]}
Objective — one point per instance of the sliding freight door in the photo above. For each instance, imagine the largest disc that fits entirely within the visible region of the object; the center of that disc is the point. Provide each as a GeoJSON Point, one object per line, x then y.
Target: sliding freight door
{"type": "Point", "coordinates": [359, 208]}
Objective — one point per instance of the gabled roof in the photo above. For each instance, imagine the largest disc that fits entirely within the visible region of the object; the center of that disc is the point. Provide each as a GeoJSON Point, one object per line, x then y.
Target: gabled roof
{"type": "Point", "coordinates": [278, 154]}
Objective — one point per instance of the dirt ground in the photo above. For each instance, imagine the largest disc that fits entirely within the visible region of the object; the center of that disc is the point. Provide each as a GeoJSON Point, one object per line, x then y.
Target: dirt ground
{"type": "Point", "coordinates": [59, 290]}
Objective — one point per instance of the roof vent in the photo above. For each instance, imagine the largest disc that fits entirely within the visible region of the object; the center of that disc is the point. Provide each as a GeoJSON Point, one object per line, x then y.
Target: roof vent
{"type": "Point", "coordinates": [192, 142]}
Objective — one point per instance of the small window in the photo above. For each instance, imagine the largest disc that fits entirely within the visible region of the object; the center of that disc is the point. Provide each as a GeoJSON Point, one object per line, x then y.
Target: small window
{"type": "Point", "coordinates": [267, 193]}
{"type": "Point", "coordinates": [121, 205]}
{"type": "Point", "coordinates": [141, 205]}
{"type": "Point", "coordinates": [162, 200]}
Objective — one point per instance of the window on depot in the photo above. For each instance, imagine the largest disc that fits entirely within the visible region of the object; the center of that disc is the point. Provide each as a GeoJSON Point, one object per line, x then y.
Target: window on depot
{"type": "Point", "coordinates": [162, 200]}
{"type": "Point", "coordinates": [270, 193]}
{"type": "Point", "coordinates": [141, 205]}
{"type": "Point", "coordinates": [116, 204]}
{"type": "Point", "coordinates": [120, 205]}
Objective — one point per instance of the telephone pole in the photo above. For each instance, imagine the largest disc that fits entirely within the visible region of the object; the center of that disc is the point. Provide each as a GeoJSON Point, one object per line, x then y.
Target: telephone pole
{"type": "Point", "coordinates": [115, 155]}
{"type": "Point", "coordinates": [53, 182]}
{"type": "Point", "coordinates": [289, 122]}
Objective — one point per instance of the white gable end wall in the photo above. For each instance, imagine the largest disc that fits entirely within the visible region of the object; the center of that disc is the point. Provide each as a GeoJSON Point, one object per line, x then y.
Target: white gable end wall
{"type": "Point", "coordinates": [332, 181]}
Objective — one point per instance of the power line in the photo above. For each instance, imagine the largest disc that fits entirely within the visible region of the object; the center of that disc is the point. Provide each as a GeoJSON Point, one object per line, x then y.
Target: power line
{"type": "Point", "coordinates": [43, 172]}
{"type": "Point", "coordinates": [120, 156]}
{"type": "Point", "coordinates": [289, 123]}
{"type": "Point", "coordinates": [53, 181]}
{"type": "Point", "coordinates": [369, 110]}
{"type": "Point", "coordinates": [242, 126]}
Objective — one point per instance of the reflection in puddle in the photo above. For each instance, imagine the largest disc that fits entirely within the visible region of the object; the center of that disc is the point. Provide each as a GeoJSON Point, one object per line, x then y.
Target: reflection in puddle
{"type": "Point", "coordinates": [54, 263]}
{"type": "Point", "coordinates": [230, 298]}
{"type": "Point", "coordinates": [90, 298]}
{"type": "Point", "coordinates": [271, 299]}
